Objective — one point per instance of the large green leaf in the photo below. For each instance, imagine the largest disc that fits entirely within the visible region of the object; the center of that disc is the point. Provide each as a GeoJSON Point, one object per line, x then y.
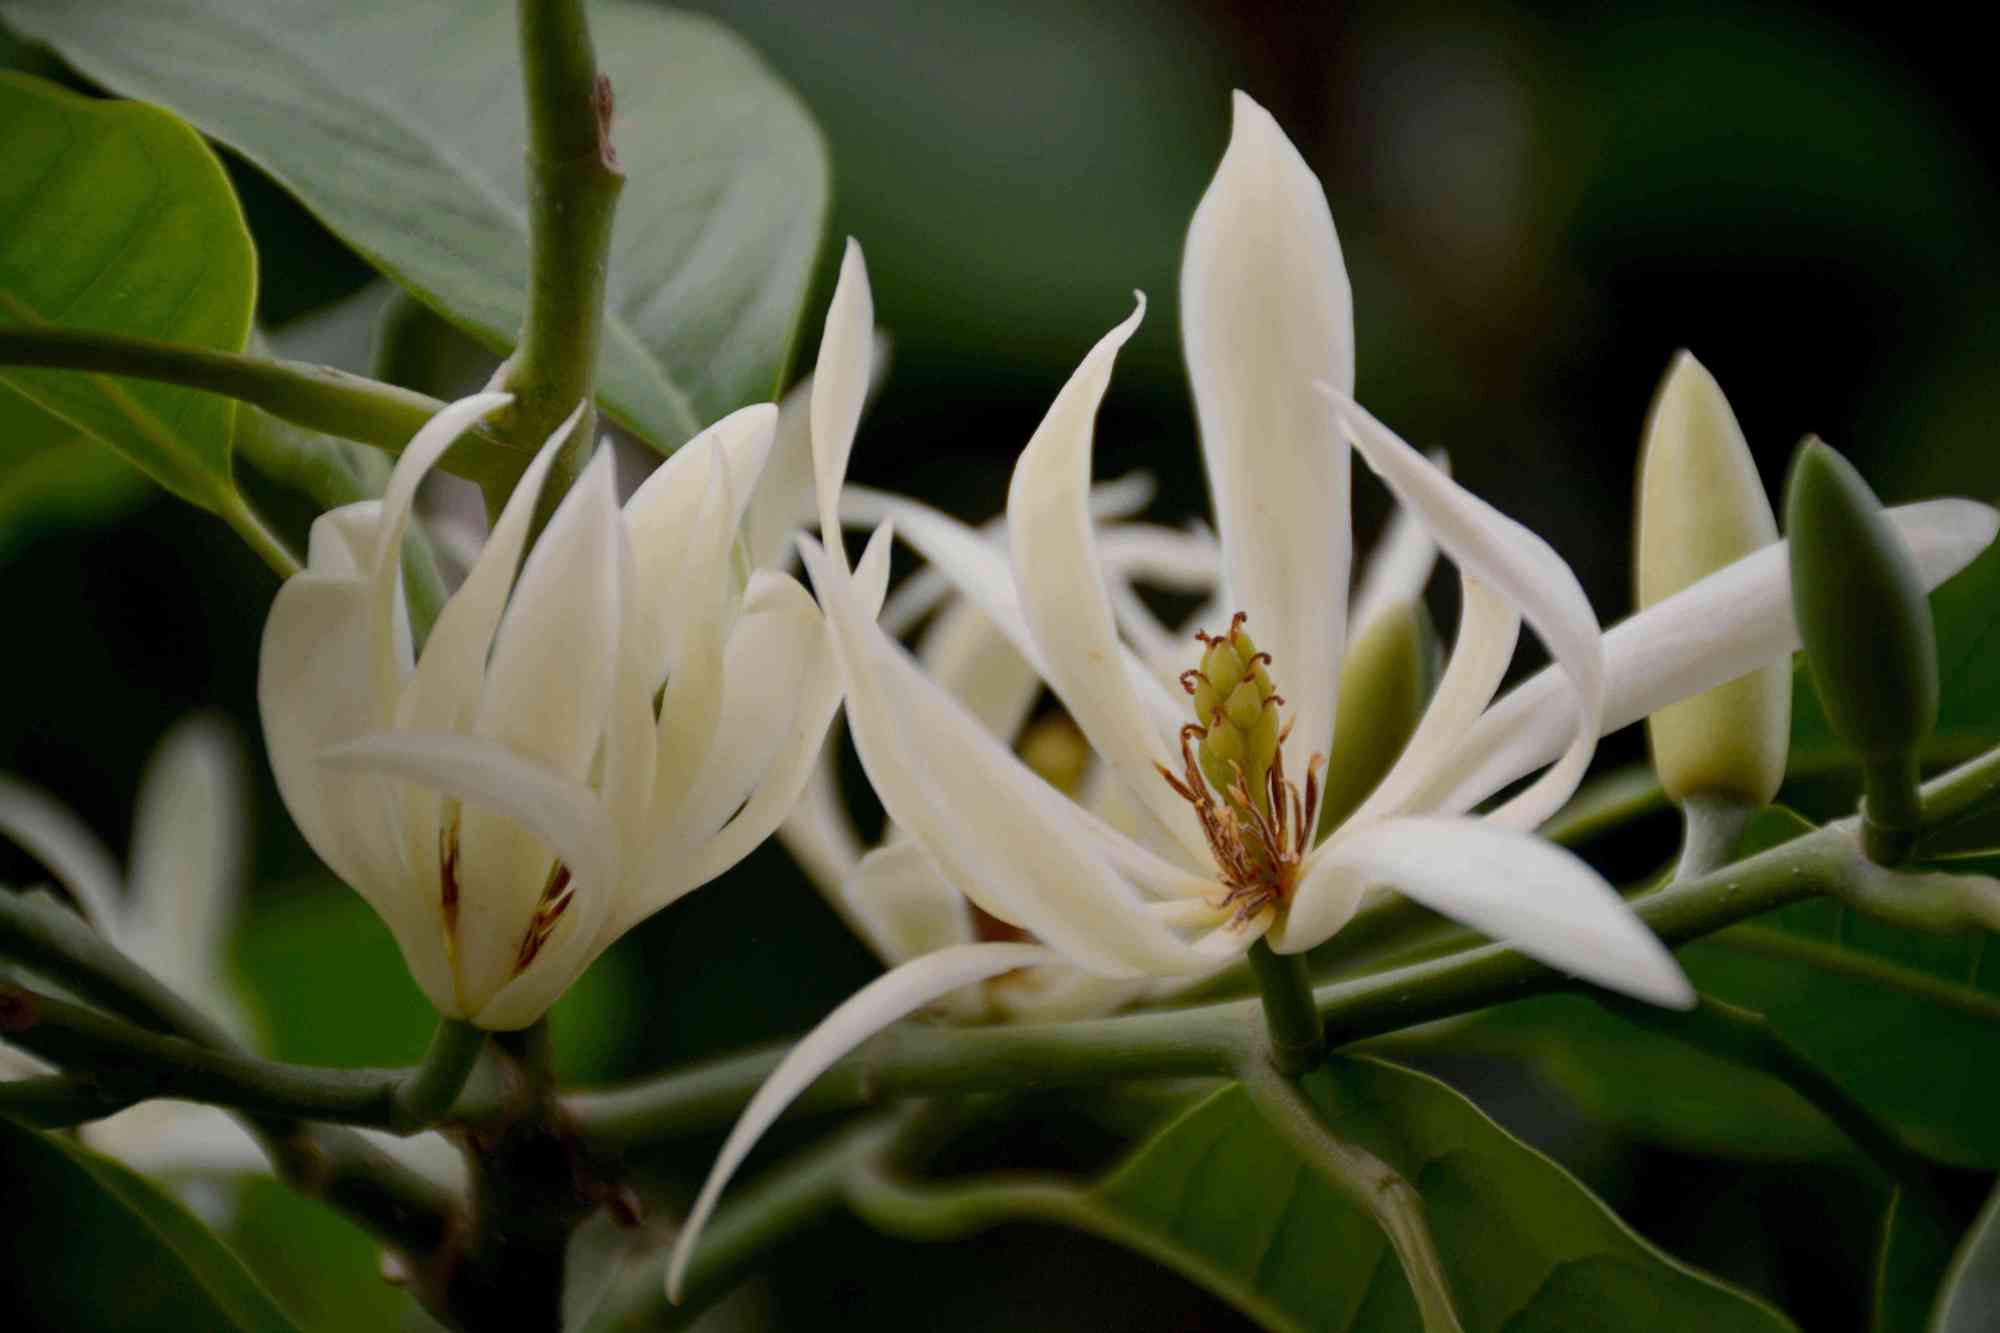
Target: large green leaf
{"type": "Point", "coordinates": [118, 217]}
{"type": "Point", "coordinates": [1219, 1196]}
{"type": "Point", "coordinates": [1889, 1013]}
{"type": "Point", "coordinates": [1926, 1223]}
{"type": "Point", "coordinates": [93, 1245]}
{"type": "Point", "coordinates": [399, 124]}
{"type": "Point", "coordinates": [52, 476]}
{"type": "Point", "coordinates": [1970, 1300]}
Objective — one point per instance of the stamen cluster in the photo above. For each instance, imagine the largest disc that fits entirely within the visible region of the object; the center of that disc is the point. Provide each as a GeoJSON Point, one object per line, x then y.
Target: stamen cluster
{"type": "Point", "coordinates": [1261, 827]}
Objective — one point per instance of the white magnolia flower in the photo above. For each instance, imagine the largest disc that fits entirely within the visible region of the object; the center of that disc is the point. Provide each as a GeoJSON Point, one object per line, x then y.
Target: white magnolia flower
{"type": "Point", "coordinates": [578, 744]}
{"type": "Point", "coordinates": [173, 915]}
{"type": "Point", "coordinates": [1267, 328]}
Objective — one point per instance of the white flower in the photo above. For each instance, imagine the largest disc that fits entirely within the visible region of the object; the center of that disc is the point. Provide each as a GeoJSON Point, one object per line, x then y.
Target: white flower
{"type": "Point", "coordinates": [514, 799]}
{"type": "Point", "coordinates": [1267, 328]}
{"type": "Point", "coordinates": [173, 915]}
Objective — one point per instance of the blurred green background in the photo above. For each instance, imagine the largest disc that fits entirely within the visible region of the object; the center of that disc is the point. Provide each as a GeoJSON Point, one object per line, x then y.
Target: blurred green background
{"type": "Point", "coordinates": [1538, 204]}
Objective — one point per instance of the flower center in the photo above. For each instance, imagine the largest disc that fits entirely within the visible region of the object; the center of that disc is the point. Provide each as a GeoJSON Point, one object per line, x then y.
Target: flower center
{"type": "Point", "coordinates": [1258, 824]}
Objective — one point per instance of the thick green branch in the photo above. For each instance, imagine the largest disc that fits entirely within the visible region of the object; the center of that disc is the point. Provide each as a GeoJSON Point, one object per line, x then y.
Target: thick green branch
{"type": "Point", "coordinates": [319, 397]}
{"type": "Point", "coordinates": [573, 186]}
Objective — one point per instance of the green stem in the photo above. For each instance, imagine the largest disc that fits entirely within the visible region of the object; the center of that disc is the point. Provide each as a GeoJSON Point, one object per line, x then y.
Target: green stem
{"type": "Point", "coordinates": [57, 1101]}
{"type": "Point", "coordinates": [1892, 813]}
{"type": "Point", "coordinates": [1298, 1041]}
{"type": "Point", "coordinates": [317, 397]}
{"type": "Point", "coordinates": [1711, 823]}
{"type": "Point", "coordinates": [1371, 1184]}
{"type": "Point", "coordinates": [426, 1095]}
{"type": "Point", "coordinates": [1744, 1038]}
{"type": "Point", "coordinates": [573, 186]}
{"type": "Point", "coordinates": [248, 524]}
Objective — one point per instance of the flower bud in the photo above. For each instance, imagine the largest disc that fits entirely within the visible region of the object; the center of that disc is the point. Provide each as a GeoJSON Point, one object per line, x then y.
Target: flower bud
{"type": "Point", "coordinates": [1866, 627]}
{"type": "Point", "coordinates": [1863, 617]}
{"type": "Point", "coordinates": [1384, 685]}
{"type": "Point", "coordinates": [1702, 507]}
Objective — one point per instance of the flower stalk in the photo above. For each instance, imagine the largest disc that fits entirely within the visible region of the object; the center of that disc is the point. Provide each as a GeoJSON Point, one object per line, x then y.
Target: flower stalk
{"type": "Point", "coordinates": [1298, 1040]}
{"type": "Point", "coordinates": [426, 1096]}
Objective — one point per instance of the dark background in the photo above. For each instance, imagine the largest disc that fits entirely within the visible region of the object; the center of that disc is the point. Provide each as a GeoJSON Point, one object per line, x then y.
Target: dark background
{"type": "Point", "coordinates": [1538, 204]}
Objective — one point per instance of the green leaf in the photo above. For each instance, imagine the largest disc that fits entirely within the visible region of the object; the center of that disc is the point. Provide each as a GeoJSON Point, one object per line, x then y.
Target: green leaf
{"type": "Point", "coordinates": [119, 218]}
{"type": "Point", "coordinates": [399, 124]}
{"type": "Point", "coordinates": [1220, 1197]}
{"type": "Point", "coordinates": [1887, 1012]}
{"type": "Point", "coordinates": [96, 1246]}
{"type": "Point", "coordinates": [1924, 1226]}
{"type": "Point", "coordinates": [51, 476]}
{"type": "Point", "coordinates": [1970, 1299]}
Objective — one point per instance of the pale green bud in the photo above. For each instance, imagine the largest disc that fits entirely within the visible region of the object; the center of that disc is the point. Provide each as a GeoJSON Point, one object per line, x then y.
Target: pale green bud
{"type": "Point", "coordinates": [1385, 683]}
{"type": "Point", "coordinates": [1702, 507]}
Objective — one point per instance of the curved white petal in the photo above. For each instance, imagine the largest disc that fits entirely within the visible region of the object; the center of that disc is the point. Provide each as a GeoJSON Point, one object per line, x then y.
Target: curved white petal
{"type": "Point", "coordinates": [315, 679]}
{"type": "Point", "coordinates": [1398, 569]}
{"type": "Point", "coordinates": [1265, 312]}
{"type": "Point", "coordinates": [559, 817]}
{"type": "Point", "coordinates": [189, 845]}
{"type": "Point", "coordinates": [690, 705]}
{"type": "Point", "coordinates": [962, 651]}
{"type": "Point", "coordinates": [167, 1138]}
{"type": "Point", "coordinates": [819, 833]}
{"type": "Point", "coordinates": [1062, 589]}
{"type": "Point", "coordinates": [977, 566]}
{"type": "Point", "coordinates": [1520, 567]}
{"type": "Point", "coordinates": [46, 830]}
{"type": "Point", "coordinates": [872, 1008]}
{"type": "Point", "coordinates": [389, 623]}
{"type": "Point", "coordinates": [556, 649]}
{"type": "Point", "coordinates": [1003, 837]}
{"type": "Point", "coordinates": [903, 906]}
{"type": "Point", "coordinates": [1517, 888]}
{"type": "Point", "coordinates": [1488, 629]}
{"type": "Point", "coordinates": [1730, 623]}
{"type": "Point", "coordinates": [840, 387]}
{"type": "Point", "coordinates": [664, 515]}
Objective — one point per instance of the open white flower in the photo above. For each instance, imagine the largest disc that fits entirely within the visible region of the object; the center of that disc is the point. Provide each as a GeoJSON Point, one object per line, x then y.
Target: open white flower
{"type": "Point", "coordinates": [173, 914]}
{"type": "Point", "coordinates": [1267, 327]}
{"type": "Point", "coordinates": [514, 799]}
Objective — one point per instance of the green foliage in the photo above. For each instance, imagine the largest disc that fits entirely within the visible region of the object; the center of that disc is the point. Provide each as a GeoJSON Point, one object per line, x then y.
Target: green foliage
{"type": "Point", "coordinates": [416, 163]}
{"type": "Point", "coordinates": [51, 476]}
{"type": "Point", "coordinates": [1970, 1299]}
{"type": "Point", "coordinates": [1220, 1197]}
{"type": "Point", "coordinates": [108, 1250]}
{"type": "Point", "coordinates": [1922, 1231]}
{"type": "Point", "coordinates": [119, 218]}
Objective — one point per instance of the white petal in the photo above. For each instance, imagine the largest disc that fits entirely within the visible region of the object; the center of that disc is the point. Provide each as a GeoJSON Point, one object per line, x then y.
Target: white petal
{"type": "Point", "coordinates": [963, 652]}
{"type": "Point", "coordinates": [46, 830]}
{"type": "Point", "coordinates": [819, 832]}
{"type": "Point", "coordinates": [781, 687]}
{"type": "Point", "coordinates": [1519, 889]}
{"type": "Point", "coordinates": [1062, 590]}
{"type": "Point", "coordinates": [1398, 570]}
{"type": "Point", "coordinates": [389, 623]}
{"type": "Point", "coordinates": [1521, 568]}
{"type": "Point", "coordinates": [565, 816]}
{"type": "Point", "coordinates": [692, 701]}
{"type": "Point", "coordinates": [315, 679]}
{"type": "Point", "coordinates": [189, 846]}
{"type": "Point", "coordinates": [904, 907]}
{"type": "Point", "coordinates": [1003, 837]}
{"type": "Point", "coordinates": [1730, 623]}
{"type": "Point", "coordinates": [167, 1138]}
{"type": "Point", "coordinates": [874, 1007]}
{"type": "Point", "coordinates": [977, 567]}
{"type": "Point", "coordinates": [555, 651]}
{"type": "Point", "coordinates": [664, 514]}
{"type": "Point", "coordinates": [1266, 312]}
{"type": "Point", "coordinates": [1487, 631]}
{"type": "Point", "coordinates": [840, 387]}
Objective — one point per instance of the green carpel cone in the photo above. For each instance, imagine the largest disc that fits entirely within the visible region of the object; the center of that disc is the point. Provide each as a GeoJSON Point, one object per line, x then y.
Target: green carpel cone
{"type": "Point", "coordinates": [1230, 700]}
